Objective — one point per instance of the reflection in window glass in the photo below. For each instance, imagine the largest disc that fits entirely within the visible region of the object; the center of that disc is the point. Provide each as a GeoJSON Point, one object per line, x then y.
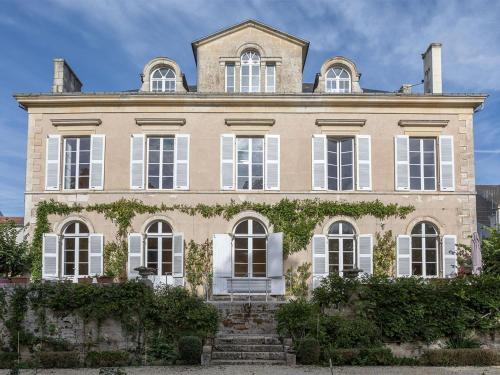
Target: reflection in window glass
{"type": "Point", "coordinates": [250, 163]}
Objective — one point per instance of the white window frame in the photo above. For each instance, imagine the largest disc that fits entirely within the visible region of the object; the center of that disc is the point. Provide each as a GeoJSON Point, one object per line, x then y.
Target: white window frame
{"type": "Point", "coordinates": [250, 64]}
{"type": "Point", "coordinates": [423, 236]}
{"type": "Point", "coordinates": [77, 163]}
{"type": "Point", "coordinates": [270, 86]}
{"type": "Point", "coordinates": [341, 237]}
{"type": "Point", "coordinates": [77, 236]}
{"type": "Point", "coordinates": [339, 163]}
{"type": "Point", "coordinates": [250, 163]}
{"type": "Point", "coordinates": [421, 152]}
{"type": "Point", "coordinates": [163, 80]}
{"type": "Point", "coordinates": [160, 182]}
{"type": "Point", "coordinates": [227, 85]}
{"type": "Point", "coordinates": [159, 237]}
{"type": "Point", "coordinates": [337, 80]}
{"type": "Point", "coordinates": [250, 236]}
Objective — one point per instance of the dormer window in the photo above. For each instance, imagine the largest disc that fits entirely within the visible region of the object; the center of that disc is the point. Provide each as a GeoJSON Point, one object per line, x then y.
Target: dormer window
{"type": "Point", "coordinates": [163, 80]}
{"type": "Point", "coordinates": [250, 72]}
{"type": "Point", "coordinates": [338, 80]}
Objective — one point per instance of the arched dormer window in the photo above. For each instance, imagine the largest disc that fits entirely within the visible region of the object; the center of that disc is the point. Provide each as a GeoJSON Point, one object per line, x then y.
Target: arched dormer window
{"type": "Point", "coordinates": [163, 80]}
{"type": "Point", "coordinates": [250, 72]}
{"type": "Point", "coordinates": [338, 80]}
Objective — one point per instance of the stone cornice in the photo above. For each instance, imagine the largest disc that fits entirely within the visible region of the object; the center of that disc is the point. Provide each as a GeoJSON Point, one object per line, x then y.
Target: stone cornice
{"type": "Point", "coordinates": [160, 121]}
{"type": "Point", "coordinates": [76, 122]}
{"type": "Point", "coordinates": [340, 122]}
{"type": "Point", "coordinates": [249, 122]}
{"type": "Point", "coordinates": [424, 123]}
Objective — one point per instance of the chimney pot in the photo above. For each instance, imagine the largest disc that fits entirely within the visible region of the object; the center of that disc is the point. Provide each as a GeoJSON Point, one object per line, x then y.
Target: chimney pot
{"type": "Point", "coordinates": [405, 88]}
{"type": "Point", "coordinates": [65, 79]}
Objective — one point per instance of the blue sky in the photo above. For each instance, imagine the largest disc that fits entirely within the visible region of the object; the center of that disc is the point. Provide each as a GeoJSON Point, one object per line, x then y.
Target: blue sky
{"type": "Point", "coordinates": [108, 42]}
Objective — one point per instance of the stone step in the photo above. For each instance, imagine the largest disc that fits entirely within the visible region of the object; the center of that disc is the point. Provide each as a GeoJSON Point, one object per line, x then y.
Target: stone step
{"type": "Point", "coordinates": [249, 355]}
{"type": "Point", "coordinates": [259, 362]}
{"type": "Point", "coordinates": [247, 340]}
{"type": "Point", "coordinates": [247, 348]}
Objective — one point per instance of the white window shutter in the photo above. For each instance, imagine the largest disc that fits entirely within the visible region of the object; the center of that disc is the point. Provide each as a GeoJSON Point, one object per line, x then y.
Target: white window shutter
{"type": "Point", "coordinates": [403, 256]}
{"type": "Point", "coordinates": [364, 159]}
{"type": "Point", "coordinates": [50, 256]}
{"type": "Point", "coordinates": [96, 251]}
{"type": "Point", "coordinates": [320, 258]}
{"type": "Point", "coordinates": [402, 159]}
{"type": "Point", "coordinates": [449, 256]}
{"type": "Point", "coordinates": [446, 167]}
{"type": "Point", "coordinates": [227, 161]}
{"type": "Point", "coordinates": [178, 255]}
{"type": "Point", "coordinates": [365, 253]}
{"type": "Point", "coordinates": [275, 263]}
{"type": "Point", "coordinates": [135, 254]}
{"type": "Point", "coordinates": [97, 152]}
{"type": "Point", "coordinates": [222, 262]}
{"type": "Point", "coordinates": [272, 155]}
{"type": "Point", "coordinates": [52, 160]}
{"type": "Point", "coordinates": [319, 167]}
{"type": "Point", "coordinates": [137, 153]}
{"type": "Point", "coordinates": [182, 161]}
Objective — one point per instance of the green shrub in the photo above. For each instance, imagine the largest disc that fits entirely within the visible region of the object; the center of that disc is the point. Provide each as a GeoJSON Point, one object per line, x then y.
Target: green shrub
{"type": "Point", "coordinates": [107, 359]}
{"type": "Point", "coordinates": [298, 319]}
{"type": "Point", "coordinates": [490, 250]}
{"type": "Point", "coordinates": [58, 359]}
{"type": "Point", "coordinates": [190, 349]}
{"type": "Point", "coordinates": [335, 290]}
{"type": "Point", "coordinates": [350, 332]}
{"type": "Point", "coordinates": [8, 359]}
{"type": "Point", "coordinates": [461, 357]}
{"type": "Point", "coordinates": [161, 349]}
{"type": "Point", "coordinates": [461, 342]}
{"type": "Point", "coordinates": [308, 351]}
{"type": "Point", "coordinates": [362, 357]}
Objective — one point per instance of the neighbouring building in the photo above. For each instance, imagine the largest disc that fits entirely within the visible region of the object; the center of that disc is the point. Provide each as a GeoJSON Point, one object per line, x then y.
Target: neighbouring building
{"type": "Point", "coordinates": [251, 130]}
{"type": "Point", "coordinates": [488, 207]}
{"type": "Point", "coordinates": [18, 221]}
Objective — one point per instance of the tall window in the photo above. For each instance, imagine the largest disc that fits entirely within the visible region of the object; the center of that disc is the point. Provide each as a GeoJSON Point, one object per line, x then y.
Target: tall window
{"type": "Point", "coordinates": [159, 247]}
{"type": "Point", "coordinates": [338, 80]}
{"type": "Point", "coordinates": [270, 78]}
{"type": "Point", "coordinates": [424, 250]}
{"type": "Point", "coordinates": [340, 163]}
{"type": "Point", "coordinates": [75, 240]}
{"type": "Point", "coordinates": [161, 162]}
{"type": "Point", "coordinates": [250, 163]}
{"type": "Point", "coordinates": [230, 86]}
{"type": "Point", "coordinates": [76, 163]}
{"type": "Point", "coordinates": [163, 80]}
{"type": "Point", "coordinates": [341, 247]}
{"type": "Point", "coordinates": [250, 72]}
{"type": "Point", "coordinates": [422, 164]}
{"type": "Point", "coordinates": [250, 244]}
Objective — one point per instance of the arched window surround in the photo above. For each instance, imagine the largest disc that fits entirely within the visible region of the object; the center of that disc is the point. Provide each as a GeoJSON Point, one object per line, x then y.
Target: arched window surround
{"type": "Point", "coordinates": [250, 249]}
{"type": "Point", "coordinates": [250, 71]}
{"type": "Point", "coordinates": [338, 79]}
{"type": "Point", "coordinates": [163, 79]}
{"type": "Point", "coordinates": [159, 247]}
{"type": "Point", "coordinates": [425, 249]}
{"type": "Point", "coordinates": [342, 247]}
{"type": "Point", "coordinates": [75, 249]}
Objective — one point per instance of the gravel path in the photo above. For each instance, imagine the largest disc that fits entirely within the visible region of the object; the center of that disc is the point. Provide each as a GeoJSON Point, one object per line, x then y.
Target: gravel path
{"type": "Point", "coordinates": [277, 370]}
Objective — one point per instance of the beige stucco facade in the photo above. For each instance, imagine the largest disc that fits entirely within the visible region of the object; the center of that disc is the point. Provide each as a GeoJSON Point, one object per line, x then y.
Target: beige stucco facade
{"type": "Point", "coordinates": [293, 115]}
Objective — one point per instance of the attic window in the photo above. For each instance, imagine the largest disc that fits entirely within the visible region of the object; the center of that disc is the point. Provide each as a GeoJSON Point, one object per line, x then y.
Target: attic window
{"type": "Point", "coordinates": [163, 80]}
{"type": "Point", "coordinates": [250, 72]}
{"type": "Point", "coordinates": [338, 80]}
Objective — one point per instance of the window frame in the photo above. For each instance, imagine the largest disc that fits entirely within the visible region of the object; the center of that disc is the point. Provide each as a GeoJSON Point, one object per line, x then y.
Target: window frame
{"type": "Point", "coordinates": [423, 249]}
{"type": "Point", "coordinates": [340, 238]}
{"type": "Point", "coordinates": [422, 165]}
{"type": "Point", "coordinates": [77, 163]}
{"type": "Point", "coordinates": [337, 80]}
{"type": "Point", "coordinates": [77, 236]}
{"type": "Point", "coordinates": [250, 163]}
{"type": "Point", "coordinates": [249, 236]}
{"type": "Point", "coordinates": [226, 86]}
{"type": "Point", "coordinates": [163, 80]}
{"type": "Point", "coordinates": [339, 162]}
{"type": "Point", "coordinates": [273, 66]}
{"type": "Point", "coordinates": [250, 75]}
{"type": "Point", "coordinates": [159, 243]}
{"type": "Point", "coordinates": [160, 163]}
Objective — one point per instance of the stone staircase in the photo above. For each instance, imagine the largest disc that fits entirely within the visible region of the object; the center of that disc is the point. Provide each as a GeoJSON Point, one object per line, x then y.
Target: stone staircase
{"type": "Point", "coordinates": [247, 335]}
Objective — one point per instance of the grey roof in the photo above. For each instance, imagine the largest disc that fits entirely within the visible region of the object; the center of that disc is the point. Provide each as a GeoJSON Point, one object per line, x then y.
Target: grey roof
{"type": "Point", "coordinates": [487, 202]}
{"type": "Point", "coordinates": [489, 192]}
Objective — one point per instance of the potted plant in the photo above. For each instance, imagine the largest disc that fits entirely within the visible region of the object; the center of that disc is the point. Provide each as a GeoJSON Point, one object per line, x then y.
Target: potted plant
{"type": "Point", "coordinates": [104, 279]}
{"type": "Point", "coordinates": [14, 254]}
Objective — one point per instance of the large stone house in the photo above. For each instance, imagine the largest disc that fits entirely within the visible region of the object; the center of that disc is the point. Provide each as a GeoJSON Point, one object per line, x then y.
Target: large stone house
{"type": "Point", "coordinates": [252, 130]}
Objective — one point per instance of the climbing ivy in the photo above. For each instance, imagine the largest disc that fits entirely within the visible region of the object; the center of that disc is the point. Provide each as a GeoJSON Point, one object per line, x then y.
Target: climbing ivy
{"type": "Point", "coordinates": [297, 219]}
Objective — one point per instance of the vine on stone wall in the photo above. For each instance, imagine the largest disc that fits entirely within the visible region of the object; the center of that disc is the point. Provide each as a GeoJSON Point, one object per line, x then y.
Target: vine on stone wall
{"type": "Point", "coordinates": [297, 219]}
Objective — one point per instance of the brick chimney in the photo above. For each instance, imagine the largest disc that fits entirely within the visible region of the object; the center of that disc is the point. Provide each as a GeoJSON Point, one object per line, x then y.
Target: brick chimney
{"type": "Point", "coordinates": [433, 81]}
{"type": "Point", "coordinates": [65, 80]}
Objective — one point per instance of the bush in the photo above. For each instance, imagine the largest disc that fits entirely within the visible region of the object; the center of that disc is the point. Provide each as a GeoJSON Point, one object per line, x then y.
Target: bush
{"type": "Point", "coordinates": [161, 349]}
{"type": "Point", "coordinates": [462, 343]}
{"type": "Point", "coordinates": [461, 357]}
{"type": "Point", "coordinates": [362, 357]}
{"type": "Point", "coordinates": [14, 258]}
{"type": "Point", "coordinates": [107, 359]}
{"type": "Point", "coordinates": [190, 349]}
{"type": "Point", "coordinates": [58, 359]}
{"type": "Point", "coordinates": [335, 290]}
{"type": "Point", "coordinates": [308, 351]}
{"type": "Point", "coordinates": [347, 333]}
{"type": "Point", "coordinates": [8, 359]}
{"type": "Point", "coordinates": [297, 319]}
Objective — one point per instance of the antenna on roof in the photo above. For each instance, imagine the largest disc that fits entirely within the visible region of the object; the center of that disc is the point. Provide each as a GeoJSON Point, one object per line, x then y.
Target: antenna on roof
{"type": "Point", "coordinates": [406, 87]}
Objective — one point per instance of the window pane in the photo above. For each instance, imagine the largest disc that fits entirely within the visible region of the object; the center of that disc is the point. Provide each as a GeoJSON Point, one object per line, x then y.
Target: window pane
{"type": "Point", "coordinates": [83, 269]}
{"type": "Point", "coordinates": [154, 156]}
{"type": "Point", "coordinates": [431, 269]}
{"type": "Point", "coordinates": [332, 184]}
{"type": "Point", "coordinates": [414, 171]}
{"type": "Point", "coordinates": [259, 244]}
{"type": "Point", "coordinates": [153, 228]}
{"type": "Point", "coordinates": [243, 170]}
{"type": "Point", "coordinates": [168, 157]}
{"type": "Point", "coordinates": [243, 183]}
{"type": "Point", "coordinates": [415, 183]}
{"type": "Point", "coordinates": [241, 256]}
{"type": "Point", "coordinates": [259, 256]}
{"type": "Point", "coordinates": [84, 143]}
{"type": "Point", "coordinates": [334, 228]}
{"type": "Point", "coordinates": [168, 144]}
{"type": "Point", "coordinates": [429, 184]}
{"type": "Point", "coordinates": [346, 145]}
{"type": "Point", "coordinates": [416, 269]}
{"type": "Point", "coordinates": [153, 182]}
{"type": "Point", "coordinates": [83, 182]}
{"type": "Point", "coordinates": [241, 270]}
{"type": "Point", "coordinates": [347, 229]}
{"type": "Point", "coordinates": [428, 145]}
{"type": "Point", "coordinates": [241, 243]}
{"type": "Point", "coordinates": [346, 171]}
{"type": "Point", "coordinates": [168, 170]}
{"type": "Point", "coordinates": [415, 144]}
{"type": "Point", "coordinates": [257, 157]}
{"type": "Point", "coordinates": [154, 143]}
{"type": "Point", "coordinates": [429, 171]}
{"type": "Point", "coordinates": [257, 183]}
{"type": "Point", "coordinates": [257, 170]}
{"type": "Point", "coordinates": [85, 157]}
{"type": "Point", "coordinates": [167, 183]}
{"type": "Point", "coordinates": [347, 184]}
{"type": "Point", "coordinates": [258, 228]}
{"type": "Point", "coordinates": [259, 270]}
{"type": "Point", "coordinates": [414, 158]}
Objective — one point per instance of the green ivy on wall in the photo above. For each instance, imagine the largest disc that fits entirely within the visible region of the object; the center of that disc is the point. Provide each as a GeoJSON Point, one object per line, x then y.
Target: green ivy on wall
{"type": "Point", "coordinates": [297, 219]}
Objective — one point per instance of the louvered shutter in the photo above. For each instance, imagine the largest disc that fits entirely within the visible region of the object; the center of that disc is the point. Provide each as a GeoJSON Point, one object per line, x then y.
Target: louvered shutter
{"type": "Point", "coordinates": [227, 161]}
{"type": "Point", "coordinates": [365, 253]}
{"type": "Point", "coordinates": [96, 247]}
{"type": "Point", "coordinates": [50, 257]}
{"type": "Point", "coordinates": [182, 161]}
{"type": "Point", "coordinates": [272, 144]}
{"type": "Point", "coordinates": [364, 159]}
{"type": "Point", "coordinates": [52, 160]}
{"type": "Point", "coordinates": [319, 170]}
{"type": "Point", "coordinates": [97, 153]}
{"type": "Point", "coordinates": [403, 256]}
{"type": "Point", "coordinates": [402, 158]}
{"type": "Point", "coordinates": [275, 263]}
{"type": "Point", "coordinates": [449, 256]}
{"type": "Point", "coordinates": [135, 255]}
{"type": "Point", "coordinates": [178, 255]}
{"type": "Point", "coordinates": [222, 262]}
{"type": "Point", "coordinates": [320, 259]}
{"type": "Point", "coordinates": [137, 161]}
{"type": "Point", "coordinates": [446, 166]}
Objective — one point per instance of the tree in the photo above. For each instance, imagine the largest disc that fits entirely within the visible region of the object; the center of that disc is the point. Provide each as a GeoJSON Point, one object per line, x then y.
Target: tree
{"type": "Point", "coordinates": [490, 249]}
{"type": "Point", "coordinates": [14, 254]}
